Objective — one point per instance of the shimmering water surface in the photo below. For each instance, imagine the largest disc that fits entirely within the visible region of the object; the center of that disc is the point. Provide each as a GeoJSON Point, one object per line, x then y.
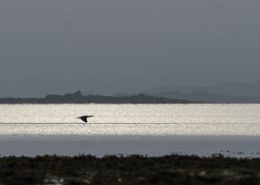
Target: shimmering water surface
{"type": "Point", "coordinates": [130, 119]}
{"type": "Point", "coordinates": [130, 129]}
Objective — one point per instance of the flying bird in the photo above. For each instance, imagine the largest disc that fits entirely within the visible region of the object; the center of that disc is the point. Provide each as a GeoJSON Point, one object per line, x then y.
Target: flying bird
{"type": "Point", "coordinates": [85, 118]}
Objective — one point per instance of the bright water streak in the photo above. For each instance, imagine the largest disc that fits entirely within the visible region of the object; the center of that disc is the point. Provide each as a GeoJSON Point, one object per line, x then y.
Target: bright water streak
{"type": "Point", "coordinates": [130, 119]}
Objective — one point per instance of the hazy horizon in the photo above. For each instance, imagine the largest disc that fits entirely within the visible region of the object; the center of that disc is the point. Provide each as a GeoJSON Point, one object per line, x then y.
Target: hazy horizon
{"type": "Point", "coordinates": [116, 46]}
{"type": "Point", "coordinates": [232, 89]}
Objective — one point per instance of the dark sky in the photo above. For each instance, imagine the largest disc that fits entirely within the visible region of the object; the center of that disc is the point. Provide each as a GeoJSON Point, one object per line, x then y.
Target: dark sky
{"type": "Point", "coordinates": [111, 46]}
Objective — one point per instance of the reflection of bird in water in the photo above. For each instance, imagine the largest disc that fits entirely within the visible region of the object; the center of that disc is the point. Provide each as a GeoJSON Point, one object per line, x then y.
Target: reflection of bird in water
{"type": "Point", "coordinates": [85, 118]}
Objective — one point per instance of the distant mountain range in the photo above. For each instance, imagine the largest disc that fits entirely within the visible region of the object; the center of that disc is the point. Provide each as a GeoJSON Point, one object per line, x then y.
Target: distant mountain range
{"type": "Point", "coordinates": [232, 92]}
{"type": "Point", "coordinates": [77, 97]}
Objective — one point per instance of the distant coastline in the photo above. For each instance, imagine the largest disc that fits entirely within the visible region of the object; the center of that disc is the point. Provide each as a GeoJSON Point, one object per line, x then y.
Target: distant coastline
{"type": "Point", "coordinates": [230, 92]}
{"type": "Point", "coordinates": [79, 98]}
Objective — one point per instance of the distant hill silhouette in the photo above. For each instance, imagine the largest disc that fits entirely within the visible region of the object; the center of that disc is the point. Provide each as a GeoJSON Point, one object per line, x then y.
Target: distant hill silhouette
{"type": "Point", "coordinates": [232, 92]}
{"type": "Point", "coordinates": [78, 97]}
{"type": "Point", "coordinates": [208, 97]}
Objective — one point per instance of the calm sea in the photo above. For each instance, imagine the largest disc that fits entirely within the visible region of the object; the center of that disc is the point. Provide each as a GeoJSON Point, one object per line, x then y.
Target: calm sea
{"type": "Point", "coordinates": [129, 119]}
{"type": "Point", "coordinates": [203, 129]}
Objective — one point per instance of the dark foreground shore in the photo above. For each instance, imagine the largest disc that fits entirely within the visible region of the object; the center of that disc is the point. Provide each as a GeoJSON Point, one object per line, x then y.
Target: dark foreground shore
{"type": "Point", "coordinates": [129, 170]}
{"type": "Point", "coordinates": [64, 145]}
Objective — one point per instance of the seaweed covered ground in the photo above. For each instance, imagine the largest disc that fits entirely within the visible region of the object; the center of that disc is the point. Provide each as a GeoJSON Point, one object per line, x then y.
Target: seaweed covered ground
{"type": "Point", "coordinates": [129, 170]}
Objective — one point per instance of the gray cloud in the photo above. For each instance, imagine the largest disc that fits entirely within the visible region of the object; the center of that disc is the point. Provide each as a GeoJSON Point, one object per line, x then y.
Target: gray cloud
{"type": "Point", "coordinates": [105, 46]}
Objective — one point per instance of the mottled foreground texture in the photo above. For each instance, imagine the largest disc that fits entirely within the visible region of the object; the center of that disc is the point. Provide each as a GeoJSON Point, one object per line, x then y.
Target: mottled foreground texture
{"type": "Point", "coordinates": [134, 170]}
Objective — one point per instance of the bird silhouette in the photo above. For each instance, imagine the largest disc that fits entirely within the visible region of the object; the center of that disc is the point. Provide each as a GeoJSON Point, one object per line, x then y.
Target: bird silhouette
{"type": "Point", "coordinates": [85, 118]}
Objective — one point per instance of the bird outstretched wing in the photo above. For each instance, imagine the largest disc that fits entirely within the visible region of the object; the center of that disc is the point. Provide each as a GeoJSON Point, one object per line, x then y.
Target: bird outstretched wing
{"type": "Point", "coordinates": [85, 118]}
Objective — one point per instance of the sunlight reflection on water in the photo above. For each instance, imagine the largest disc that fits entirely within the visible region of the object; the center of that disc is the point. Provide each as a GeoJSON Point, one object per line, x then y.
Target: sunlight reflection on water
{"type": "Point", "coordinates": [129, 119]}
